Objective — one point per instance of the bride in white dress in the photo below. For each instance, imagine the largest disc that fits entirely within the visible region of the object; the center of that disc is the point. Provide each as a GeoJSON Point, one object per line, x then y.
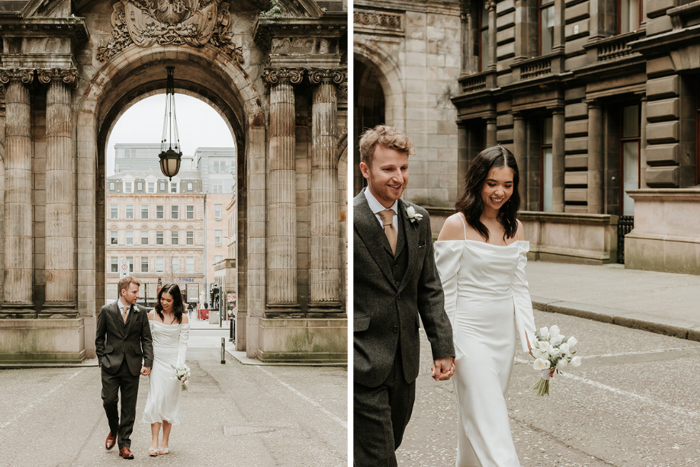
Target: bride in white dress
{"type": "Point", "coordinates": [481, 255]}
{"type": "Point", "coordinates": [170, 330]}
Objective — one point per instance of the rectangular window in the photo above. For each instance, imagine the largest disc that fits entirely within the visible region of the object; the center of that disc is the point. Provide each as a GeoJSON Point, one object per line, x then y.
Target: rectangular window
{"type": "Point", "coordinates": [629, 13]}
{"type": "Point", "coordinates": [128, 187]}
{"type": "Point", "coordinates": [159, 212]}
{"type": "Point", "coordinates": [484, 36]}
{"type": "Point", "coordinates": [174, 237]}
{"type": "Point", "coordinates": [129, 237]}
{"type": "Point", "coordinates": [144, 237]}
{"type": "Point", "coordinates": [217, 211]}
{"type": "Point", "coordinates": [217, 237]}
{"type": "Point", "coordinates": [130, 260]}
{"type": "Point", "coordinates": [144, 264]}
{"type": "Point", "coordinates": [175, 265]}
{"type": "Point", "coordinates": [218, 258]}
{"type": "Point", "coordinates": [190, 237]}
{"type": "Point", "coordinates": [162, 186]}
{"type": "Point", "coordinates": [190, 212]}
{"type": "Point", "coordinates": [190, 264]}
{"type": "Point", "coordinates": [547, 172]}
{"type": "Point", "coordinates": [111, 186]}
{"type": "Point", "coordinates": [139, 186]}
{"type": "Point", "coordinates": [546, 28]}
{"type": "Point", "coordinates": [144, 212]}
{"type": "Point", "coordinates": [189, 186]}
{"type": "Point", "coordinates": [630, 136]}
{"type": "Point", "coordinates": [175, 212]}
{"type": "Point", "coordinates": [218, 188]}
{"type": "Point", "coordinates": [159, 237]}
{"type": "Point", "coordinates": [114, 212]}
{"type": "Point", "coordinates": [160, 262]}
{"type": "Point", "coordinates": [129, 212]}
{"type": "Point", "coordinates": [114, 264]}
{"type": "Point", "coordinates": [151, 187]}
{"type": "Point", "coordinates": [173, 187]}
{"type": "Point", "coordinates": [114, 237]}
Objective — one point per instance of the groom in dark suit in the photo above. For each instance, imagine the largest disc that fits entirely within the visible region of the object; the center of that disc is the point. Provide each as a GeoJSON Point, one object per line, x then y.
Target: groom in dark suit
{"type": "Point", "coordinates": [395, 281]}
{"type": "Point", "coordinates": [124, 349]}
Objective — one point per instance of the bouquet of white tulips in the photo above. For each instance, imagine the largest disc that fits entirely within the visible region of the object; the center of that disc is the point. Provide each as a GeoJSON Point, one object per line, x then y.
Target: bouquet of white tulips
{"type": "Point", "coordinates": [182, 374]}
{"type": "Point", "coordinates": [552, 351]}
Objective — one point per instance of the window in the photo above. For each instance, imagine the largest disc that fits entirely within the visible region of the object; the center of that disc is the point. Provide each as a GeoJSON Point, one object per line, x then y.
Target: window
{"type": "Point", "coordinates": [189, 186]}
{"type": "Point", "coordinates": [129, 237]}
{"type": "Point", "coordinates": [130, 260]}
{"type": "Point", "coordinates": [546, 169]}
{"type": "Point", "coordinates": [128, 187]}
{"type": "Point", "coordinates": [217, 237]}
{"type": "Point", "coordinates": [190, 212]}
{"type": "Point", "coordinates": [144, 237]}
{"type": "Point", "coordinates": [176, 265]}
{"type": "Point", "coordinates": [144, 264]}
{"type": "Point", "coordinates": [218, 258]}
{"type": "Point", "coordinates": [162, 186]}
{"type": "Point", "coordinates": [159, 237]}
{"type": "Point", "coordinates": [218, 167]}
{"type": "Point", "coordinates": [173, 187]}
{"type": "Point", "coordinates": [160, 262]}
{"type": "Point", "coordinates": [190, 237]}
{"type": "Point", "coordinates": [111, 186]}
{"type": "Point", "coordinates": [174, 237]}
{"type": "Point", "coordinates": [114, 212]}
{"type": "Point", "coordinates": [484, 37]}
{"type": "Point", "coordinates": [151, 187]}
{"type": "Point", "coordinates": [218, 188]}
{"type": "Point", "coordinates": [114, 264]}
{"type": "Point", "coordinates": [546, 26]}
{"type": "Point", "coordinates": [159, 212]}
{"type": "Point", "coordinates": [175, 212]}
{"type": "Point", "coordinates": [629, 160]}
{"type": "Point", "coordinates": [114, 237]}
{"type": "Point", "coordinates": [190, 264]}
{"type": "Point", "coordinates": [629, 13]}
{"type": "Point", "coordinates": [217, 211]}
{"type": "Point", "coordinates": [129, 212]}
{"type": "Point", "coordinates": [139, 186]}
{"type": "Point", "coordinates": [144, 212]}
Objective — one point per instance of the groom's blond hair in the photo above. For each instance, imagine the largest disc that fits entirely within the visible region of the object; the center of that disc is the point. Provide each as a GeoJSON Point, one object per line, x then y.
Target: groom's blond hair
{"type": "Point", "coordinates": [385, 136]}
{"type": "Point", "coordinates": [125, 282]}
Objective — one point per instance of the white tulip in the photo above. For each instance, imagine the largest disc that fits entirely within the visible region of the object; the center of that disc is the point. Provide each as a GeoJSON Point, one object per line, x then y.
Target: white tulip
{"type": "Point", "coordinates": [552, 350]}
{"type": "Point", "coordinates": [411, 211]}
{"type": "Point", "coordinates": [572, 341]}
{"type": "Point", "coordinates": [537, 352]}
{"type": "Point", "coordinates": [554, 331]}
{"type": "Point", "coordinates": [562, 363]}
{"type": "Point", "coordinates": [544, 346]}
{"type": "Point", "coordinates": [541, 364]}
{"type": "Point", "coordinates": [544, 332]}
{"type": "Point", "coordinates": [564, 349]}
{"type": "Point", "coordinates": [576, 361]}
{"type": "Point", "coordinates": [556, 340]}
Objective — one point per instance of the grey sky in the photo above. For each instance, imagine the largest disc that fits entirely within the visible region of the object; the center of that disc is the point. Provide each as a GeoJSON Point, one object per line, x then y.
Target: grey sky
{"type": "Point", "coordinates": [198, 124]}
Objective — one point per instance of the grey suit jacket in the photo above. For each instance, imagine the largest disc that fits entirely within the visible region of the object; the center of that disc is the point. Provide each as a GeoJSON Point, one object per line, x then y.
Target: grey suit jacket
{"type": "Point", "coordinates": [116, 341]}
{"type": "Point", "coordinates": [386, 313]}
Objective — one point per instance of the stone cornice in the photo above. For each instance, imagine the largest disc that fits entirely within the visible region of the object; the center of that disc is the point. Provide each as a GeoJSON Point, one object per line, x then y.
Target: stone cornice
{"type": "Point", "coordinates": [74, 28]}
{"type": "Point", "coordinates": [328, 26]}
{"type": "Point", "coordinates": [273, 76]}
{"type": "Point", "coordinates": [24, 75]}
{"type": "Point", "coordinates": [452, 9]}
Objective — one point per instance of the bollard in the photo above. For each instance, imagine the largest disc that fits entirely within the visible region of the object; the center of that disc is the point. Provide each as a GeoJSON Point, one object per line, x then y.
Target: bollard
{"type": "Point", "coordinates": [231, 324]}
{"type": "Point", "coordinates": [223, 350]}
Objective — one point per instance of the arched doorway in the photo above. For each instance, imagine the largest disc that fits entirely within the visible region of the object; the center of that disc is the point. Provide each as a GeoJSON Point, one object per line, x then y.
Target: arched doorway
{"type": "Point", "coordinates": [370, 110]}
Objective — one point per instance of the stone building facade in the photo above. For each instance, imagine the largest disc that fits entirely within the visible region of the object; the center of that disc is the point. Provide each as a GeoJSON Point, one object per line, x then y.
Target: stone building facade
{"type": "Point", "coordinates": [277, 75]}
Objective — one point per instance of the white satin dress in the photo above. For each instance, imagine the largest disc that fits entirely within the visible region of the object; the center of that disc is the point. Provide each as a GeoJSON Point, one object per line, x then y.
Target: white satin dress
{"type": "Point", "coordinates": [486, 298]}
{"type": "Point", "coordinates": [169, 348]}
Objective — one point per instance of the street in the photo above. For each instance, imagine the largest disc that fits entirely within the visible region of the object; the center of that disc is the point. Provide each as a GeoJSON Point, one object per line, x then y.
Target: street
{"type": "Point", "coordinates": [633, 402]}
{"type": "Point", "coordinates": [233, 414]}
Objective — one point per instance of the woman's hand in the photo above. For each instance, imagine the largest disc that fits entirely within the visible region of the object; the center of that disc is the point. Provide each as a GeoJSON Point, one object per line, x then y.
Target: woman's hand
{"type": "Point", "coordinates": [529, 347]}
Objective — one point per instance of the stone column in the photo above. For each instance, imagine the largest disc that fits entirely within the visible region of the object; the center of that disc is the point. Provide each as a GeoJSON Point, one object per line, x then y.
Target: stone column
{"type": "Point", "coordinates": [642, 146]}
{"type": "Point", "coordinates": [491, 139]}
{"type": "Point", "coordinates": [558, 160]}
{"type": "Point", "coordinates": [281, 194]}
{"type": "Point", "coordinates": [596, 183]}
{"type": "Point", "coordinates": [492, 36]}
{"type": "Point", "coordinates": [520, 153]}
{"type": "Point", "coordinates": [19, 238]}
{"type": "Point", "coordinates": [324, 269]}
{"type": "Point", "coordinates": [60, 195]}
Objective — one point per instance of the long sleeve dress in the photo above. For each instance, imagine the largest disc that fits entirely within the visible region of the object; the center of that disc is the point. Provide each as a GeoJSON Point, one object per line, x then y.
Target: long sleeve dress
{"type": "Point", "coordinates": [486, 299]}
{"type": "Point", "coordinates": [169, 349]}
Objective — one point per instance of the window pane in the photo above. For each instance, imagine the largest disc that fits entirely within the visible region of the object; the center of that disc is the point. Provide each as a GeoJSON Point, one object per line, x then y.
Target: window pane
{"type": "Point", "coordinates": [114, 212]}
{"type": "Point", "coordinates": [485, 57]}
{"type": "Point", "coordinates": [189, 186]}
{"type": "Point", "coordinates": [159, 238]}
{"type": "Point", "coordinates": [217, 211]}
{"type": "Point", "coordinates": [111, 186]}
{"type": "Point", "coordinates": [144, 212]}
{"type": "Point", "coordinates": [159, 212]}
{"type": "Point", "coordinates": [174, 238]}
{"type": "Point", "coordinates": [129, 212]}
{"type": "Point", "coordinates": [144, 264]}
{"type": "Point", "coordinates": [174, 212]}
{"type": "Point", "coordinates": [218, 258]}
{"type": "Point", "coordinates": [190, 212]}
{"type": "Point", "coordinates": [176, 265]}
{"type": "Point", "coordinates": [159, 263]}
{"type": "Point", "coordinates": [547, 179]}
{"type": "Point", "coordinates": [144, 237]}
{"type": "Point", "coordinates": [173, 187]}
{"type": "Point", "coordinates": [162, 186]}
{"type": "Point", "coordinates": [130, 260]}
{"type": "Point", "coordinates": [547, 30]}
{"type": "Point", "coordinates": [114, 237]}
{"type": "Point", "coordinates": [190, 238]}
{"type": "Point", "coordinates": [129, 237]}
{"type": "Point", "coordinates": [217, 237]}
{"type": "Point", "coordinates": [139, 186]}
{"type": "Point", "coordinates": [630, 121]}
{"type": "Point", "coordinates": [630, 164]}
{"type": "Point", "coordinates": [485, 15]}
{"type": "Point", "coordinates": [151, 187]}
{"type": "Point", "coordinates": [114, 264]}
{"type": "Point", "coordinates": [190, 264]}
{"type": "Point", "coordinates": [547, 125]}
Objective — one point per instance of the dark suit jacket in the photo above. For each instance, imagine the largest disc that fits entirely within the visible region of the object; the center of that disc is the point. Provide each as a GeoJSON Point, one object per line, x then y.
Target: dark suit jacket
{"type": "Point", "coordinates": [116, 341]}
{"type": "Point", "coordinates": [386, 313]}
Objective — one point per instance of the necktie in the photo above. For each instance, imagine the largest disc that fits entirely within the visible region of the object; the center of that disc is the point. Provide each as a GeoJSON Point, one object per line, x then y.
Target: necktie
{"type": "Point", "coordinates": [388, 222]}
{"type": "Point", "coordinates": [124, 315]}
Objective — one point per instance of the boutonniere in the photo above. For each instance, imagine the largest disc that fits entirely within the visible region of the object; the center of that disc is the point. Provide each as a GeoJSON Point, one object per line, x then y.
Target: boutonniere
{"type": "Point", "coordinates": [413, 216]}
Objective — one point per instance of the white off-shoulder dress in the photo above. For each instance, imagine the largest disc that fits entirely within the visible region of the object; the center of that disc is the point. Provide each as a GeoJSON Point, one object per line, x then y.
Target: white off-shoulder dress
{"type": "Point", "coordinates": [169, 349]}
{"type": "Point", "coordinates": [486, 299]}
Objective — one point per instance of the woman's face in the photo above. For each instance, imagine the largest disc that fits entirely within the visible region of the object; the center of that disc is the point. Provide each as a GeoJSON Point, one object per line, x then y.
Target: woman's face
{"type": "Point", "coordinates": [497, 188]}
{"type": "Point", "coordinates": [166, 301]}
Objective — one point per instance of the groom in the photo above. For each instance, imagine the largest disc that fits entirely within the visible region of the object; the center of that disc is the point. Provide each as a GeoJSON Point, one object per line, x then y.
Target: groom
{"type": "Point", "coordinates": [127, 352]}
{"type": "Point", "coordinates": [395, 281]}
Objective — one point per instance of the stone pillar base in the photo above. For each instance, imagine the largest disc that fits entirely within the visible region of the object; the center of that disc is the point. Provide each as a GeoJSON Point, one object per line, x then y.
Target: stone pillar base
{"type": "Point", "coordinates": [42, 341]}
{"type": "Point", "coordinates": [18, 311]}
{"type": "Point", "coordinates": [58, 310]}
{"type": "Point", "coordinates": [303, 340]}
{"type": "Point", "coordinates": [325, 310]}
{"type": "Point", "coordinates": [284, 310]}
{"type": "Point", "coordinates": [241, 318]}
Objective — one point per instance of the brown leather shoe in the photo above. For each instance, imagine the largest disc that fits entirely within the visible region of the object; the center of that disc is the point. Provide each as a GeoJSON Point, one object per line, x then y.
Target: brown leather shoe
{"type": "Point", "coordinates": [125, 453]}
{"type": "Point", "coordinates": [110, 441]}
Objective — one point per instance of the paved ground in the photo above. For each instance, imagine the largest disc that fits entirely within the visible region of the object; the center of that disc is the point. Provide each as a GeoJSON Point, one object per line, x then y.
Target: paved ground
{"type": "Point", "coordinates": [234, 414]}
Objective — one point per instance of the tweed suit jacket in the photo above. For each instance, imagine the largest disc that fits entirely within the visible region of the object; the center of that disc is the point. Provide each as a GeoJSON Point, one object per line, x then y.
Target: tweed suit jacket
{"type": "Point", "coordinates": [116, 341]}
{"type": "Point", "coordinates": [386, 312]}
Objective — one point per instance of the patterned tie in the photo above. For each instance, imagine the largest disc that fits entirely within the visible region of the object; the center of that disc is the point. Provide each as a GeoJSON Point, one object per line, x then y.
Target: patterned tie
{"type": "Point", "coordinates": [388, 222]}
{"type": "Point", "coordinates": [124, 313]}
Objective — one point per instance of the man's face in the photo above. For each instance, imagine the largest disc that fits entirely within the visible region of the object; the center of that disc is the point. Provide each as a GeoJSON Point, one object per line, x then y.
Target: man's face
{"type": "Point", "coordinates": [130, 294]}
{"type": "Point", "coordinates": [386, 174]}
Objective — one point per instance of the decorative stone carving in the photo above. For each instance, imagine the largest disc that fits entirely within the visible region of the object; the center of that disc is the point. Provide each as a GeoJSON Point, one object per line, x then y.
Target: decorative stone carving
{"type": "Point", "coordinates": [178, 22]}
{"type": "Point", "coordinates": [316, 76]}
{"type": "Point", "coordinates": [25, 75]}
{"type": "Point", "coordinates": [343, 91]}
{"type": "Point", "coordinates": [278, 75]}
{"type": "Point", "coordinates": [383, 20]}
{"type": "Point", "coordinates": [68, 76]}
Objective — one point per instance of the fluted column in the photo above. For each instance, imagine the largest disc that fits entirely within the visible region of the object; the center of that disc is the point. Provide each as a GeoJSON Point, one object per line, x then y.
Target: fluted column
{"type": "Point", "coordinates": [520, 153]}
{"type": "Point", "coordinates": [19, 258]}
{"type": "Point", "coordinates": [595, 158]}
{"type": "Point", "coordinates": [558, 131]}
{"type": "Point", "coordinates": [324, 270]}
{"type": "Point", "coordinates": [281, 194]}
{"type": "Point", "coordinates": [60, 195]}
{"type": "Point", "coordinates": [491, 136]}
{"type": "Point", "coordinates": [493, 59]}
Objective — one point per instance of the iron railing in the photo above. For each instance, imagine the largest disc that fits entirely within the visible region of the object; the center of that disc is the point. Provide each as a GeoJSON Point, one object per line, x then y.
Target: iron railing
{"type": "Point", "coordinates": [624, 226]}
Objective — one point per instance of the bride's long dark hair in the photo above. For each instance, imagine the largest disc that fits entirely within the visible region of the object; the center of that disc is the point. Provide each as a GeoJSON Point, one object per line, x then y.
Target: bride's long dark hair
{"type": "Point", "coordinates": [178, 306]}
{"type": "Point", "coordinates": [470, 203]}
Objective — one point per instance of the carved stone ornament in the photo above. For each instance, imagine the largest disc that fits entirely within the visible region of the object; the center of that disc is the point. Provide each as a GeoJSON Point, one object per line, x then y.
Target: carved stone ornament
{"type": "Point", "coordinates": [25, 75]}
{"type": "Point", "coordinates": [317, 76]}
{"type": "Point", "coordinates": [384, 20]}
{"type": "Point", "coordinates": [68, 76]}
{"type": "Point", "coordinates": [192, 22]}
{"type": "Point", "coordinates": [280, 75]}
{"type": "Point", "coordinates": [343, 91]}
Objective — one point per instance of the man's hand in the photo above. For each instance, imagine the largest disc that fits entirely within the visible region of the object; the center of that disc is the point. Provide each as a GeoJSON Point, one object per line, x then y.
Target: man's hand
{"type": "Point", "coordinates": [145, 370]}
{"type": "Point", "coordinates": [443, 368]}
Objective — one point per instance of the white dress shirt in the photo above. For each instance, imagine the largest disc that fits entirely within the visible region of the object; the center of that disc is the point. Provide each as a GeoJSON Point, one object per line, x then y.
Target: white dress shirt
{"type": "Point", "coordinates": [377, 207]}
{"type": "Point", "coordinates": [121, 308]}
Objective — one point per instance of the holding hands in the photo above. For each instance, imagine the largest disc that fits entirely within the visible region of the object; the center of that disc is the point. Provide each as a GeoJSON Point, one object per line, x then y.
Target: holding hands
{"type": "Point", "coordinates": [443, 368]}
{"type": "Point", "coordinates": [145, 370]}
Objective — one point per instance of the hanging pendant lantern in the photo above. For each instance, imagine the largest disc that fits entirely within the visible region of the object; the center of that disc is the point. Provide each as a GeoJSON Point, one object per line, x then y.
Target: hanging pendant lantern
{"type": "Point", "coordinates": [170, 153]}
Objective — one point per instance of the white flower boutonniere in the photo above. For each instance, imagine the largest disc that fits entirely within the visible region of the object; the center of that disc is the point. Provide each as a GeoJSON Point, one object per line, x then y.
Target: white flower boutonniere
{"type": "Point", "coordinates": [413, 216]}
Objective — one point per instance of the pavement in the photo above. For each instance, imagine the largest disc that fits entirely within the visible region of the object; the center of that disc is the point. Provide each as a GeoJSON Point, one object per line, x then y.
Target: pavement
{"type": "Point", "coordinates": [659, 302]}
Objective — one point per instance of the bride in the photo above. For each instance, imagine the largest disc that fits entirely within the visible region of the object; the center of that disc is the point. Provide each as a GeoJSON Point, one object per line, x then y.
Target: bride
{"type": "Point", "coordinates": [170, 330]}
{"type": "Point", "coordinates": [481, 255]}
